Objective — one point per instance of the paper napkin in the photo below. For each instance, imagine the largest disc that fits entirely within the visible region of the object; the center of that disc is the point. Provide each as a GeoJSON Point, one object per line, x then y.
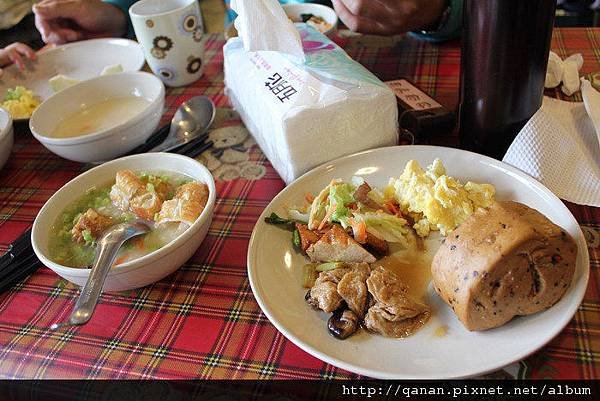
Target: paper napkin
{"type": "Point", "coordinates": [559, 147]}
{"type": "Point", "coordinates": [263, 25]}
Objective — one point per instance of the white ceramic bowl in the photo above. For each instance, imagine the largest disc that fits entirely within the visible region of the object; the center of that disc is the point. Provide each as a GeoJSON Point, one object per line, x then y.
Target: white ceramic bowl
{"type": "Point", "coordinates": [151, 267]}
{"type": "Point", "coordinates": [109, 143]}
{"type": "Point", "coordinates": [6, 136]}
{"type": "Point", "coordinates": [295, 10]}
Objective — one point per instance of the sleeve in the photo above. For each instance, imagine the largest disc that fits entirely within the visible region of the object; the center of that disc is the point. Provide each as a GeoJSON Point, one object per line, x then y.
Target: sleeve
{"type": "Point", "coordinates": [124, 5]}
{"type": "Point", "coordinates": [450, 28]}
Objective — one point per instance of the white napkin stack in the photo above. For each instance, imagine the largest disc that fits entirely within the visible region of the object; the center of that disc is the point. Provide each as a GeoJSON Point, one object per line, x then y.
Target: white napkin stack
{"type": "Point", "coordinates": [560, 147]}
{"type": "Point", "coordinates": [304, 100]}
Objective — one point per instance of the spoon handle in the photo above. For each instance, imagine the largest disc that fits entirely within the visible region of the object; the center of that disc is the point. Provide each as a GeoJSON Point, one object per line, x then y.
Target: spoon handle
{"type": "Point", "coordinates": [106, 252]}
{"type": "Point", "coordinates": [103, 261]}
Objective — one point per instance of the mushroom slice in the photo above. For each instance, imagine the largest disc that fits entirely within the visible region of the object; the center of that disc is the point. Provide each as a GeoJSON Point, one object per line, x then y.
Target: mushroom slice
{"type": "Point", "coordinates": [342, 324]}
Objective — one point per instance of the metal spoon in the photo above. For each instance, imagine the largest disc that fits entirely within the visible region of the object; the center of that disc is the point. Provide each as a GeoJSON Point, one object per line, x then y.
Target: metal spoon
{"type": "Point", "coordinates": [192, 119]}
{"type": "Point", "coordinates": [108, 245]}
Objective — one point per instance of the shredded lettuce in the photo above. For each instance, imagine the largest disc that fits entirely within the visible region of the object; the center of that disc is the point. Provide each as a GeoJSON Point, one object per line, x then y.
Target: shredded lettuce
{"type": "Point", "coordinates": [341, 195]}
{"type": "Point", "coordinates": [14, 94]}
{"type": "Point", "coordinates": [318, 208]}
{"type": "Point", "coordinates": [384, 226]}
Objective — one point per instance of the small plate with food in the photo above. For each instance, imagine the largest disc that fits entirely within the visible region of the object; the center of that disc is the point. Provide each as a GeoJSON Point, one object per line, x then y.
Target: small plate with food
{"type": "Point", "coordinates": [322, 18]}
{"type": "Point", "coordinates": [57, 68]}
{"type": "Point", "coordinates": [174, 194]}
{"type": "Point", "coordinates": [418, 262]}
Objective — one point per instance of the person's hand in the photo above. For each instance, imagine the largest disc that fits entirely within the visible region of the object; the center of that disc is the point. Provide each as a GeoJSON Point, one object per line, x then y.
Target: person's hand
{"type": "Point", "coordinates": [388, 17]}
{"type": "Point", "coordinates": [61, 21]}
{"type": "Point", "coordinates": [14, 53]}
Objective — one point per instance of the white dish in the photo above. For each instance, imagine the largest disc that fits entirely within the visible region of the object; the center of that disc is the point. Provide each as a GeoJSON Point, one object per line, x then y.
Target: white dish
{"type": "Point", "coordinates": [6, 136]}
{"type": "Point", "coordinates": [109, 143]}
{"type": "Point", "coordinates": [295, 11]}
{"type": "Point", "coordinates": [149, 268]}
{"type": "Point", "coordinates": [81, 60]}
{"type": "Point", "coordinates": [274, 270]}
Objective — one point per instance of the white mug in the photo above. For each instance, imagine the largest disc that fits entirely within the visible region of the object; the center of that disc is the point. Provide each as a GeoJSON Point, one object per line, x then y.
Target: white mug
{"type": "Point", "coordinates": [171, 34]}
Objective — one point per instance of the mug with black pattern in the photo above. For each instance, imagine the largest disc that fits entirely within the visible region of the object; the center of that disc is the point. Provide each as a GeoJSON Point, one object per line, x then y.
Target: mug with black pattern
{"type": "Point", "coordinates": [172, 36]}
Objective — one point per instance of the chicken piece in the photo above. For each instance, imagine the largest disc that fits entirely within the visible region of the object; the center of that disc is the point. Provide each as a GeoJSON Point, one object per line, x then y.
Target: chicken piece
{"type": "Point", "coordinates": [337, 246]}
{"type": "Point", "coordinates": [307, 237]}
{"type": "Point", "coordinates": [324, 295]}
{"type": "Point", "coordinates": [92, 222]}
{"type": "Point", "coordinates": [127, 186]}
{"type": "Point", "coordinates": [353, 289]}
{"type": "Point", "coordinates": [187, 204]}
{"type": "Point", "coordinates": [394, 314]}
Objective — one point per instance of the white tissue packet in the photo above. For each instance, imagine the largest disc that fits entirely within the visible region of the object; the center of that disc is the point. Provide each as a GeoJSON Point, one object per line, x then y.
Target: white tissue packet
{"type": "Point", "coordinates": [570, 77]}
{"type": "Point", "coordinates": [554, 73]}
{"type": "Point", "coordinates": [305, 114]}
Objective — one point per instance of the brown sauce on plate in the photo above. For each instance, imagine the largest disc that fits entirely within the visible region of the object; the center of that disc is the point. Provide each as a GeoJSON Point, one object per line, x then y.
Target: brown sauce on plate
{"type": "Point", "coordinates": [413, 267]}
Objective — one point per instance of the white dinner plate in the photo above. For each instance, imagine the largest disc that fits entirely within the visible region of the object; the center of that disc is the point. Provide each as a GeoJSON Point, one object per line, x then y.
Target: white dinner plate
{"type": "Point", "coordinates": [80, 60]}
{"type": "Point", "coordinates": [275, 270]}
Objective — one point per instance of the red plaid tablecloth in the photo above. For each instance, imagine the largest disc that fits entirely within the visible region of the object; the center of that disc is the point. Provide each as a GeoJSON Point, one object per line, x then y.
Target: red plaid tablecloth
{"type": "Point", "coordinates": [202, 321]}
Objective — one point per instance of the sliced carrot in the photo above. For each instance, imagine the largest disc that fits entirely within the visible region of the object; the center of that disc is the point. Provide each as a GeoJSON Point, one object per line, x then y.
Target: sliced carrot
{"type": "Point", "coordinates": [328, 215]}
{"type": "Point", "coordinates": [391, 207]}
{"type": "Point", "coordinates": [359, 229]}
{"type": "Point", "coordinates": [309, 197]}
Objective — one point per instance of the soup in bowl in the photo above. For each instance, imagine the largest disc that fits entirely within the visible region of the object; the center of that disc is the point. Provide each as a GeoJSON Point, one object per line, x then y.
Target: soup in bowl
{"type": "Point", "coordinates": [102, 118]}
{"type": "Point", "coordinates": [176, 201]}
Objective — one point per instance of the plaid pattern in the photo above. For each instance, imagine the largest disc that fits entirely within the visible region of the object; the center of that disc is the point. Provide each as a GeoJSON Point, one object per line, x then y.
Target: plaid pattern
{"type": "Point", "coordinates": [202, 321]}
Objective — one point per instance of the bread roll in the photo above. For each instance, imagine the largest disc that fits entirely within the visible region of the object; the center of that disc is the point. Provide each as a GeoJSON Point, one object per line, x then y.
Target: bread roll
{"type": "Point", "coordinates": [504, 261]}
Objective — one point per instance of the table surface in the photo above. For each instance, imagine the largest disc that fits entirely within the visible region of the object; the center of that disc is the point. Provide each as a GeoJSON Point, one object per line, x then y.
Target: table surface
{"type": "Point", "coordinates": [203, 321]}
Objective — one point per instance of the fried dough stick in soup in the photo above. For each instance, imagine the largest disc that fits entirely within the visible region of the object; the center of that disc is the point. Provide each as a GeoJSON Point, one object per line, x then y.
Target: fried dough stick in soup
{"type": "Point", "coordinates": [144, 197]}
{"type": "Point", "coordinates": [187, 204]}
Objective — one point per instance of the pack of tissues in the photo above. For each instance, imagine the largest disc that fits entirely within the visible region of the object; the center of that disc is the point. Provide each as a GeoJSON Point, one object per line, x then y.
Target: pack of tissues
{"type": "Point", "coordinates": [301, 96]}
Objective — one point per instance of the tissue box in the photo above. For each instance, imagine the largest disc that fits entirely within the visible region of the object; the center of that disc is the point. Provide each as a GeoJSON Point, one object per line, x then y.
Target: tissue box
{"type": "Point", "coordinates": [303, 115]}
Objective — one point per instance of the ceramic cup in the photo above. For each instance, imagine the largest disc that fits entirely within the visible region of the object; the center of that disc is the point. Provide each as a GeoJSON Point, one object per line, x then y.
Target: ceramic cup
{"type": "Point", "coordinates": [171, 34]}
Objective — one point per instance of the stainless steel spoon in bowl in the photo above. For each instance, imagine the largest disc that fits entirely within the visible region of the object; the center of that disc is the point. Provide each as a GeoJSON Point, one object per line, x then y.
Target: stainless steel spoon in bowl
{"type": "Point", "coordinates": [192, 119]}
{"type": "Point", "coordinates": [108, 245]}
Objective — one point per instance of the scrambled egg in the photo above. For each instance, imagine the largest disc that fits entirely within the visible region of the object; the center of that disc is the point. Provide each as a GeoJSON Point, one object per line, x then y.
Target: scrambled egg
{"type": "Point", "coordinates": [435, 200]}
{"type": "Point", "coordinates": [20, 102]}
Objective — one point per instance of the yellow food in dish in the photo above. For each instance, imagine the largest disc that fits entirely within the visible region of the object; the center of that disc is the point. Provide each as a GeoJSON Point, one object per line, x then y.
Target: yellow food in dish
{"type": "Point", "coordinates": [434, 200]}
{"type": "Point", "coordinates": [20, 102]}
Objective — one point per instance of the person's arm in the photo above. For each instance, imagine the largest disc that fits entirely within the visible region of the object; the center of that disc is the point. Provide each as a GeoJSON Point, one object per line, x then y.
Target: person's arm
{"type": "Point", "coordinates": [449, 25]}
{"type": "Point", "coordinates": [61, 21]}
{"type": "Point", "coordinates": [124, 5]}
{"type": "Point", "coordinates": [436, 19]}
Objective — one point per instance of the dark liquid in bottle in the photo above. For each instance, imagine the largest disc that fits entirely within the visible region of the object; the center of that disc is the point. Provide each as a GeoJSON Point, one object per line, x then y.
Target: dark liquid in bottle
{"type": "Point", "coordinates": [505, 45]}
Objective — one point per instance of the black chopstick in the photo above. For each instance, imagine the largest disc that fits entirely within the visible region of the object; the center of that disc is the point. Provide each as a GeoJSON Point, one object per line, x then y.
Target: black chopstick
{"type": "Point", "coordinates": [155, 139]}
{"type": "Point", "coordinates": [18, 271]}
{"type": "Point", "coordinates": [21, 245]}
{"type": "Point", "coordinates": [195, 151]}
{"type": "Point", "coordinates": [183, 149]}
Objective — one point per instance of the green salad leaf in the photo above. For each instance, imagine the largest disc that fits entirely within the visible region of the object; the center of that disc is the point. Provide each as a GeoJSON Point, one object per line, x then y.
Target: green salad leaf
{"type": "Point", "coordinates": [280, 221]}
